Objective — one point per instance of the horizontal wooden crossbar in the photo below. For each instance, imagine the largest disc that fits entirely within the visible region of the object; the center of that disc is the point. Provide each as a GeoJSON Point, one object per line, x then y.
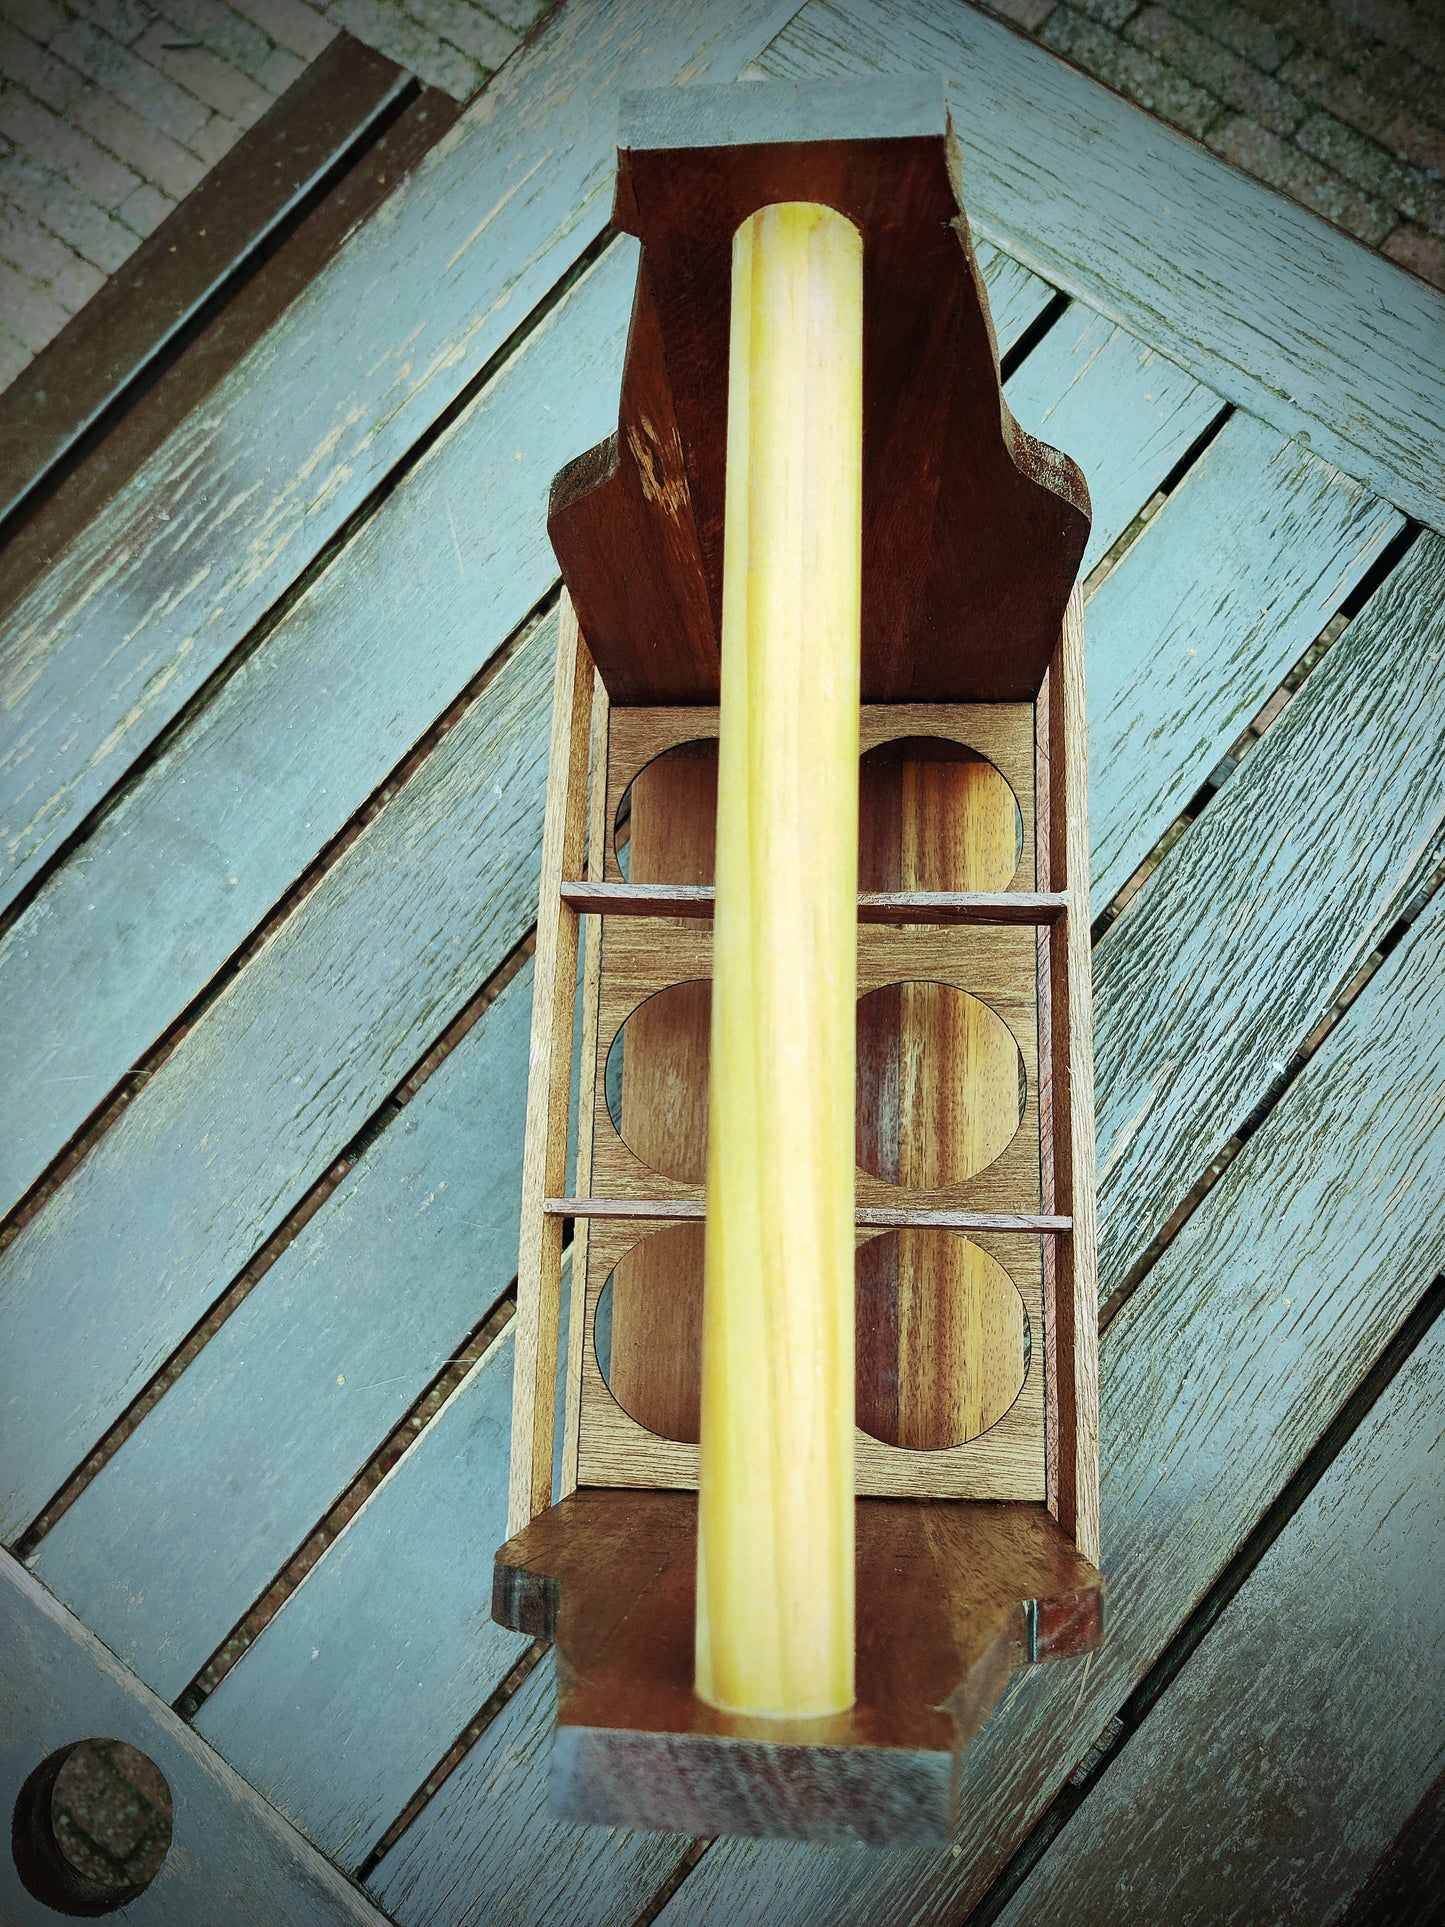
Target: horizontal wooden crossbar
{"type": "Point", "coordinates": [874, 906]}
{"type": "Point", "coordinates": [867, 1217]}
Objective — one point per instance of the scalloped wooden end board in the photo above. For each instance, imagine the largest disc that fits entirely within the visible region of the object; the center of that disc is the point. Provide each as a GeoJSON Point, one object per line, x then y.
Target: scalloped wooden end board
{"type": "Point", "coordinates": [951, 1598]}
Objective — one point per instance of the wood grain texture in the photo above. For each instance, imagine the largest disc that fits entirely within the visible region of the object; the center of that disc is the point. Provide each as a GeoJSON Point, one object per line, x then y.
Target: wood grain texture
{"type": "Point", "coordinates": [176, 570]}
{"type": "Point", "coordinates": [1206, 1348]}
{"type": "Point", "coordinates": [166, 1549]}
{"type": "Point", "coordinates": [1215, 976]}
{"type": "Point", "coordinates": [232, 1857]}
{"type": "Point", "coordinates": [298, 738]}
{"type": "Point", "coordinates": [943, 618]}
{"type": "Point", "coordinates": [951, 1598]}
{"type": "Point", "coordinates": [267, 775]}
{"type": "Point", "coordinates": [549, 1077]}
{"type": "Point", "coordinates": [1221, 595]}
{"type": "Point", "coordinates": [488, 1849]}
{"type": "Point", "coordinates": [1217, 1809]}
{"type": "Point", "coordinates": [1321, 337]}
{"type": "Point", "coordinates": [272, 1084]}
{"type": "Point", "coordinates": [374, 1665]}
{"type": "Point", "coordinates": [1124, 412]}
{"type": "Point", "coordinates": [184, 383]}
{"type": "Point", "coordinates": [874, 906]}
{"type": "Point", "coordinates": [181, 266]}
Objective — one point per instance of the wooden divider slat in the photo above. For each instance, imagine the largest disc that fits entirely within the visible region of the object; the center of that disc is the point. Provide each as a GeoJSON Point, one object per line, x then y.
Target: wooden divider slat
{"type": "Point", "coordinates": [1196, 1813]}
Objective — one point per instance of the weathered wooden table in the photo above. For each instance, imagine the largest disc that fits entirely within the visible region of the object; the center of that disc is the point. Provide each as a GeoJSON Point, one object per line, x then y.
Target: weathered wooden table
{"type": "Point", "coordinates": [276, 723]}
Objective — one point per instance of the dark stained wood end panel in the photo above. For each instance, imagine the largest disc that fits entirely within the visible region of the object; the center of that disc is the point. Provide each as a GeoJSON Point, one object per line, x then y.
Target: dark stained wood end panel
{"type": "Point", "coordinates": [952, 1597]}
{"type": "Point", "coordinates": [973, 531]}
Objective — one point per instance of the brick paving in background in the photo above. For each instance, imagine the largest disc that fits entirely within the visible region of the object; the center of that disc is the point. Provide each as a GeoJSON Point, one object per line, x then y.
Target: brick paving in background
{"type": "Point", "coordinates": [112, 110]}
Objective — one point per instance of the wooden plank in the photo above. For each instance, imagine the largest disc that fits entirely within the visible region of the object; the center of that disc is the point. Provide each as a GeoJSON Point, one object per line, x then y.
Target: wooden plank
{"type": "Point", "coordinates": [874, 906]}
{"type": "Point", "coordinates": [1124, 412]}
{"type": "Point", "coordinates": [166, 1549]}
{"type": "Point", "coordinates": [375, 1664]}
{"type": "Point", "coordinates": [169, 395]}
{"type": "Point", "coordinates": [179, 566]}
{"type": "Point", "coordinates": [1411, 1876]}
{"type": "Point", "coordinates": [1192, 632]}
{"type": "Point", "coordinates": [260, 781]}
{"type": "Point", "coordinates": [1217, 1375]}
{"type": "Point", "coordinates": [206, 844]}
{"type": "Point", "coordinates": [1217, 1808]}
{"type": "Point", "coordinates": [1213, 979]}
{"type": "Point", "coordinates": [1266, 303]}
{"type": "Point", "coordinates": [272, 1084]}
{"type": "Point", "coordinates": [487, 1849]}
{"type": "Point", "coordinates": [187, 262]}
{"type": "Point", "coordinates": [232, 1857]}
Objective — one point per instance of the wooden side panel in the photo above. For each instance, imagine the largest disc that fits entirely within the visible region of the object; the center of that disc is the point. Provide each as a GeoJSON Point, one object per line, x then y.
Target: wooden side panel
{"type": "Point", "coordinates": [166, 1549]}
{"type": "Point", "coordinates": [232, 1857]}
{"type": "Point", "coordinates": [1221, 1807]}
{"type": "Point", "coordinates": [1151, 229]}
{"type": "Point", "coordinates": [271, 1085]}
{"type": "Point", "coordinates": [1197, 626]}
{"type": "Point", "coordinates": [1213, 979]}
{"type": "Point", "coordinates": [1207, 1348]}
{"type": "Point", "coordinates": [177, 569]}
{"type": "Point", "coordinates": [377, 1662]}
{"type": "Point", "coordinates": [549, 1078]}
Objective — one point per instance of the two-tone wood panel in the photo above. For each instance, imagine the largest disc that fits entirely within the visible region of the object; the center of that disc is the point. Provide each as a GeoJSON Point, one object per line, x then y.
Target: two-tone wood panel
{"type": "Point", "coordinates": [952, 1331]}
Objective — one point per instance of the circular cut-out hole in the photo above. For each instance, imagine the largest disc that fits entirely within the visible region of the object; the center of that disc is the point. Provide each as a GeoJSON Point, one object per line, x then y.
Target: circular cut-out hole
{"type": "Point", "coordinates": [940, 1085]}
{"type": "Point", "coordinates": [647, 1332]}
{"type": "Point", "coordinates": [92, 1827]}
{"type": "Point", "coordinates": [666, 827]}
{"type": "Point", "coordinates": [943, 1339]}
{"type": "Point", "coordinates": [656, 1080]}
{"type": "Point", "coordinates": [933, 815]}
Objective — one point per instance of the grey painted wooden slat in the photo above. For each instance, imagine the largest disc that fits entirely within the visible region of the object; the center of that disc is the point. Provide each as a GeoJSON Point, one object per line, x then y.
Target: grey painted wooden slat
{"type": "Point", "coordinates": [233, 1862]}
{"type": "Point", "coordinates": [1223, 592]}
{"type": "Point", "coordinates": [133, 926]}
{"type": "Point", "coordinates": [1016, 296]}
{"type": "Point", "coordinates": [1265, 302]}
{"type": "Point", "coordinates": [185, 1527]}
{"type": "Point", "coordinates": [1217, 1376]}
{"type": "Point", "coordinates": [130, 929]}
{"type": "Point", "coordinates": [1294, 1744]}
{"type": "Point", "coordinates": [178, 567]}
{"type": "Point", "coordinates": [487, 1852]}
{"type": "Point", "coordinates": [1215, 976]}
{"type": "Point", "coordinates": [1125, 413]}
{"type": "Point", "coordinates": [376, 1663]}
{"type": "Point", "coordinates": [271, 1084]}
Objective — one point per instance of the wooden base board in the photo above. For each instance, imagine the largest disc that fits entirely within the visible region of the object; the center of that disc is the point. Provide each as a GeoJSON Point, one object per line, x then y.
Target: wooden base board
{"type": "Point", "coordinates": [952, 1596]}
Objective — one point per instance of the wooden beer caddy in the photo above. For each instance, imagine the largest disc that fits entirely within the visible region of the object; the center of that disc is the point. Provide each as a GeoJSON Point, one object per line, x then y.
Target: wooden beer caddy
{"type": "Point", "coordinates": [976, 1447]}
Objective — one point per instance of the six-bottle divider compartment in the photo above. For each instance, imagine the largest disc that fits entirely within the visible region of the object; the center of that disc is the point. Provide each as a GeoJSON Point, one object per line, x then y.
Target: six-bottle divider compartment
{"type": "Point", "coordinates": [952, 1336]}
